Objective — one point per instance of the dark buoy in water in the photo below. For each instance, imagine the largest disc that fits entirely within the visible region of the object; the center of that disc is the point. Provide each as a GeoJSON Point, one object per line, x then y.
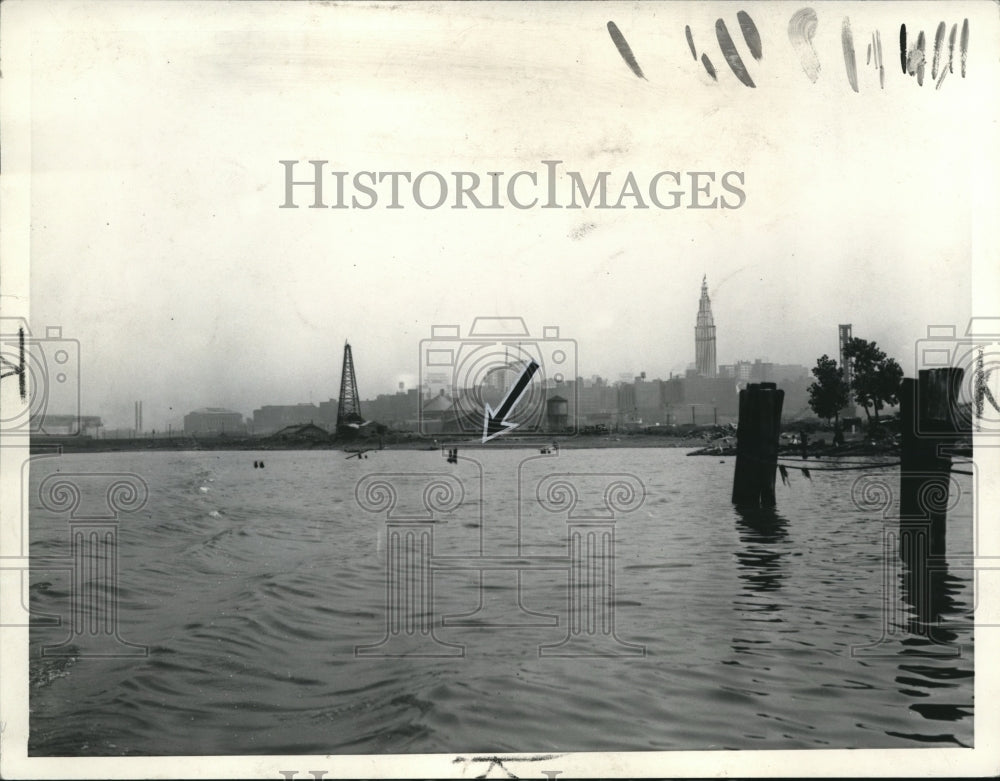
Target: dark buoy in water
{"type": "Point", "coordinates": [261, 464]}
{"type": "Point", "coordinates": [254, 464]}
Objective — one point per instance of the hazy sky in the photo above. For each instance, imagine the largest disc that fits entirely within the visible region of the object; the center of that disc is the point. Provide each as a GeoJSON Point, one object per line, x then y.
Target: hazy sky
{"type": "Point", "coordinates": [157, 241]}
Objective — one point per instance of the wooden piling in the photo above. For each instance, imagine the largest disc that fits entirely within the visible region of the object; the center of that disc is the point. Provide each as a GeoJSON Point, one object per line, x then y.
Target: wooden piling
{"type": "Point", "coordinates": [757, 445]}
{"type": "Point", "coordinates": [928, 426]}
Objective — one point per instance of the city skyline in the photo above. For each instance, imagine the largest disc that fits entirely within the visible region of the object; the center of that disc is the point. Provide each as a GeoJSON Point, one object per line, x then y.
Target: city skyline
{"type": "Point", "coordinates": [703, 357]}
{"type": "Point", "coordinates": [704, 365]}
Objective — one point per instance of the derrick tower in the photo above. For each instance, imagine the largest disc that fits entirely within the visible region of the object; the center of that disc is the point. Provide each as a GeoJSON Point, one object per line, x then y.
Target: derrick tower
{"type": "Point", "coordinates": [349, 404]}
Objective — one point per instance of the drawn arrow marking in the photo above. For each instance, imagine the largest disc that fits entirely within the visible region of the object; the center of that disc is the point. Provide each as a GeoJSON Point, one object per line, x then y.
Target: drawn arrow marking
{"type": "Point", "coordinates": [495, 421]}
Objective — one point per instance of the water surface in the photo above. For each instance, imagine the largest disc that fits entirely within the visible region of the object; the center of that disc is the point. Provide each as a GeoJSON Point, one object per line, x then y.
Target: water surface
{"type": "Point", "coordinates": [252, 590]}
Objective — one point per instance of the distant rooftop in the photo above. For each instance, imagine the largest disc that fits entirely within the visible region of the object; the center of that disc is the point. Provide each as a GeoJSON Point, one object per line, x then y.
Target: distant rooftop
{"type": "Point", "coordinates": [215, 411]}
{"type": "Point", "coordinates": [438, 404]}
{"type": "Point", "coordinates": [301, 430]}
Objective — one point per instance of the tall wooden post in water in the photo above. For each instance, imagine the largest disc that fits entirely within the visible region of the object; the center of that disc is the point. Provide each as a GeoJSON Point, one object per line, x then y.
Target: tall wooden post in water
{"type": "Point", "coordinates": [929, 422]}
{"type": "Point", "coordinates": [757, 445]}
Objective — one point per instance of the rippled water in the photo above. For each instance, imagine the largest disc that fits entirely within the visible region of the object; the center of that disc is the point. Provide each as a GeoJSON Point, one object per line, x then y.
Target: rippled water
{"type": "Point", "coordinates": [252, 591]}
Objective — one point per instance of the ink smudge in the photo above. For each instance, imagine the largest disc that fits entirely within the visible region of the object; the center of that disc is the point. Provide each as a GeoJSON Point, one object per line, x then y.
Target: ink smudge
{"type": "Point", "coordinates": [497, 762]}
{"type": "Point", "coordinates": [938, 40]}
{"type": "Point", "coordinates": [875, 57]}
{"type": "Point", "coordinates": [944, 72]}
{"type": "Point", "coordinates": [902, 46]}
{"type": "Point", "coordinates": [951, 47]}
{"type": "Point", "coordinates": [922, 60]}
{"type": "Point", "coordinates": [709, 67]}
{"type": "Point", "coordinates": [847, 41]}
{"type": "Point", "coordinates": [965, 43]}
{"type": "Point", "coordinates": [878, 59]}
{"type": "Point", "coordinates": [732, 56]}
{"type": "Point", "coordinates": [911, 61]}
{"type": "Point", "coordinates": [690, 40]}
{"type": "Point", "coordinates": [801, 30]}
{"type": "Point", "coordinates": [750, 34]}
{"type": "Point", "coordinates": [624, 49]}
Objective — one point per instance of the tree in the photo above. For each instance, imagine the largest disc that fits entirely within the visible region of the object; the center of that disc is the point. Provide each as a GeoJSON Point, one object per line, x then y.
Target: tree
{"type": "Point", "coordinates": [829, 394]}
{"type": "Point", "coordinates": [875, 378]}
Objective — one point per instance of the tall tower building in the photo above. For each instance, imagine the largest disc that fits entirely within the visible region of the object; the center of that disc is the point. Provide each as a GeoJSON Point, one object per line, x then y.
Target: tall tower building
{"type": "Point", "coordinates": [845, 334]}
{"type": "Point", "coordinates": [704, 335]}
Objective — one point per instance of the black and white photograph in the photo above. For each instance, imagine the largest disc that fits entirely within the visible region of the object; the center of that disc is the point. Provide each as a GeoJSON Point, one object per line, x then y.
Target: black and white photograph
{"type": "Point", "coordinates": [499, 389]}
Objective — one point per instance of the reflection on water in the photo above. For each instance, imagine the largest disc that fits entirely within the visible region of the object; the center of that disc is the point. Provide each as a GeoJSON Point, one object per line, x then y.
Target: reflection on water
{"type": "Point", "coordinates": [763, 535]}
{"type": "Point", "coordinates": [934, 621]}
{"type": "Point", "coordinates": [928, 589]}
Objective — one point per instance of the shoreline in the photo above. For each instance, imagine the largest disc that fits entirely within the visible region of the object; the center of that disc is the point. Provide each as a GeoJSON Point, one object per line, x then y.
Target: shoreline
{"type": "Point", "coordinates": [80, 445]}
{"type": "Point", "coordinates": [700, 446]}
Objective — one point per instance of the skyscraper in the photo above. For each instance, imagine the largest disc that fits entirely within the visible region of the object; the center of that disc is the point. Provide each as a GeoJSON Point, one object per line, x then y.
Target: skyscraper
{"type": "Point", "coordinates": [704, 335]}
